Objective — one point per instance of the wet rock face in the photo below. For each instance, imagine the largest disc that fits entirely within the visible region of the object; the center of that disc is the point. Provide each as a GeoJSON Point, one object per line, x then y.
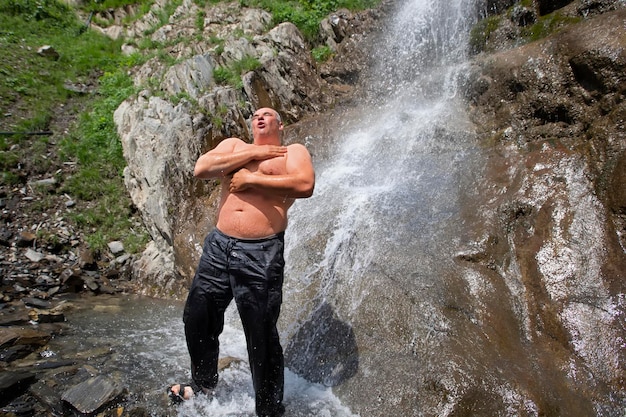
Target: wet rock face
{"type": "Point", "coordinates": [565, 93]}
{"type": "Point", "coordinates": [551, 220]}
{"type": "Point", "coordinates": [534, 316]}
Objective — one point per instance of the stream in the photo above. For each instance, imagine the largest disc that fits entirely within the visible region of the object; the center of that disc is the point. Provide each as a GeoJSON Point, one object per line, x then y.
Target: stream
{"type": "Point", "coordinates": [141, 341]}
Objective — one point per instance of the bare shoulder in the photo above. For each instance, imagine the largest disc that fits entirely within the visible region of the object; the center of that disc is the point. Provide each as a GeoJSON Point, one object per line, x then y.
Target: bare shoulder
{"type": "Point", "coordinates": [299, 159]}
{"type": "Point", "coordinates": [298, 149]}
{"type": "Point", "coordinates": [229, 145]}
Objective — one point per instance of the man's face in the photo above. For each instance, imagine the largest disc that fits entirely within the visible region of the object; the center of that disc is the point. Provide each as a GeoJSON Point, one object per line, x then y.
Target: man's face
{"type": "Point", "coordinates": [264, 122]}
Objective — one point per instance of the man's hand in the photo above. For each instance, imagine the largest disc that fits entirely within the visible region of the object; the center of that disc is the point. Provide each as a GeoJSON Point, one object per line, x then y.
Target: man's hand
{"type": "Point", "coordinates": [263, 152]}
{"type": "Point", "coordinates": [239, 180]}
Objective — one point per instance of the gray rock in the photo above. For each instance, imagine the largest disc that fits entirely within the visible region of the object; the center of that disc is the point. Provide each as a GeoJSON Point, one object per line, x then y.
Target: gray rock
{"type": "Point", "coordinates": [36, 302]}
{"type": "Point", "coordinates": [92, 394]}
{"type": "Point", "coordinates": [48, 51]}
{"type": "Point", "coordinates": [14, 383]}
{"type": "Point", "coordinates": [116, 247]}
{"type": "Point", "coordinates": [34, 255]}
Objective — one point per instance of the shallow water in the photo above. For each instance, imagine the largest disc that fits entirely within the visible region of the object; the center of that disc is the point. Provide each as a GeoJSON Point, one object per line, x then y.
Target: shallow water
{"type": "Point", "coordinates": [141, 341]}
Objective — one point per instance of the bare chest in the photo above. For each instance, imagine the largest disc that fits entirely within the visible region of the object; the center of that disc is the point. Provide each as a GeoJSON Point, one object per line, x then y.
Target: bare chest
{"type": "Point", "coordinates": [274, 166]}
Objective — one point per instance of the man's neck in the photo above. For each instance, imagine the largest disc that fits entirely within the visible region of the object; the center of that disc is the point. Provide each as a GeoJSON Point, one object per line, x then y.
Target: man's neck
{"type": "Point", "coordinates": [267, 140]}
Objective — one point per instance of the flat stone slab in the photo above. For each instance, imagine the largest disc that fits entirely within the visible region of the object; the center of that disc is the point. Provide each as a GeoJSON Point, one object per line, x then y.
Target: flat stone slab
{"type": "Point", "coordinates": [92, 394]}
{"type": "Point", "coordinates": [23, 336]}
{"type": "Point", "coordinates": [14, 384]}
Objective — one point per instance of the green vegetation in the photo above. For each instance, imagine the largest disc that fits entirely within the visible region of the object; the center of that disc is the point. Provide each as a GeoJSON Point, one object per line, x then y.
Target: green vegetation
{"type": "Point", "coordinates": [547, 25]}
{"type": "Point", "coordinates": [480, 33]}
{"type": "Point", "coordinates": [200, 20]}
{"type": "Point", "coordinates": [231, 75]}
{"type": "Point", "coordinates": [33, 94]}
{"type": "Point", "coordinates": [307, 14]}
{"type": "Point", "coordinates": [102, 5]}
{"type": "Point", "coordinates": [322, 53]}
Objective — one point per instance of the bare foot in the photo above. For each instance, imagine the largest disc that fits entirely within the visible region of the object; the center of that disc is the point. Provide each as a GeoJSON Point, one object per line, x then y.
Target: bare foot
{"type": "Point", "coordinates": [185, 395]}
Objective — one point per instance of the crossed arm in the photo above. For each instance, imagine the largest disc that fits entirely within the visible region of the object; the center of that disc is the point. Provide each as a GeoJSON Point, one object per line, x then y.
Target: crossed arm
{"type": "Point", "coordinates": [225, 161]}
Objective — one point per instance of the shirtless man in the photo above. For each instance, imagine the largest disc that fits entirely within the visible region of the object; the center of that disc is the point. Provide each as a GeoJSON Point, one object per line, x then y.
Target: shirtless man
{"type": "Point", "coordinates": [243, 256]}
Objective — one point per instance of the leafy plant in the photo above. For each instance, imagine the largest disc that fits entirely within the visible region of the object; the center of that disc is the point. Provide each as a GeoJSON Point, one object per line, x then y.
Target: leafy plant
{"type": "Point", "coordinates": [231, 75]}
{"type": "Point", "coordinates": [322, 53]}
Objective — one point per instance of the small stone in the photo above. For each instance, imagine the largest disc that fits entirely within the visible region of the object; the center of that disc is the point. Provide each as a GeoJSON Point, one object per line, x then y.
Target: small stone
{"type": "Point", "coordinates": [25, 239]}
{"type": "Point", "coordinates": [86, 260]}
{"type": "Point", "coordinates": [46, 316]}
{"type": "Point", "coordinates": [48, 51]}
{"type": "Point", "coordinates": [34, 256]}
{"type": "Point", "coordinates": [46, 182]}
{"type": "Point", "coordinates": [47, 396]}
{"type": "Point", "coordinates": [72, 280]}
{"type": "Point", "coordinates": [122, 259]}
{"type": "Point", "coordinates": [91, 395]}
{"type": "Point", "coordinates": [36, 302]}
{"type": "Point", "coordinates": [76, 88]}
{"type": "Point", "coordinates": [227, 362]}
{"type": "Point", "coordinates": [52, 291]}
{"type": "Point", "coordinates": [92, 284]}
{"type": "Point", "coordinates": [116, 247]}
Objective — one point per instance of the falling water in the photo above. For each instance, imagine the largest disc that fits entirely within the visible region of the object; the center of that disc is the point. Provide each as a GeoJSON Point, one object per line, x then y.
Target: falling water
{"type": "Point", "coordinates": [378, 304]}
{"type": "Point", "coordinates": [369, 254]}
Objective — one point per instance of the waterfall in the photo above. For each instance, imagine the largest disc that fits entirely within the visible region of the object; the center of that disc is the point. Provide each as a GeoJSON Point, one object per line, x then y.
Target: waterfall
{"type": "Point", "coordinates": [391, 186]}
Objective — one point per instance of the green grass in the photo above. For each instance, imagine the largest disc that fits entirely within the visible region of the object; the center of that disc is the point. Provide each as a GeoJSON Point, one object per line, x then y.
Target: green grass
{"type": "Point", "coordinates": [322, 53]}
{"type": "Point", "coordinates": [31, 97]}
{"type": "Point", "coordinates": [231, 75]}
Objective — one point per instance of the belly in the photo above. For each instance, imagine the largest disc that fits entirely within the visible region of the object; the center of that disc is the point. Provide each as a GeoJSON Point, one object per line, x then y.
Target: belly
{"type": "Point", "coordinates": [251, 216]}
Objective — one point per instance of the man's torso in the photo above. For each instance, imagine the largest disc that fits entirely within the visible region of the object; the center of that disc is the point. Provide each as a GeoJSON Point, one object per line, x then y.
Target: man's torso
{"type": "Point", "coordinates": [252, 214]}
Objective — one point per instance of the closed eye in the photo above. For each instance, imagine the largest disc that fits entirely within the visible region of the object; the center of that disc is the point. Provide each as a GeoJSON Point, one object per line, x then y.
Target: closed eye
{"type": "Point", "coordinates": [266, 114]}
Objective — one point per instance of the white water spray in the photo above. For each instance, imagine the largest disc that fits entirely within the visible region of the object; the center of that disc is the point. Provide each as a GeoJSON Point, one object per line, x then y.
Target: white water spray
{"type": "Point", "coordinates": [391, 187]}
